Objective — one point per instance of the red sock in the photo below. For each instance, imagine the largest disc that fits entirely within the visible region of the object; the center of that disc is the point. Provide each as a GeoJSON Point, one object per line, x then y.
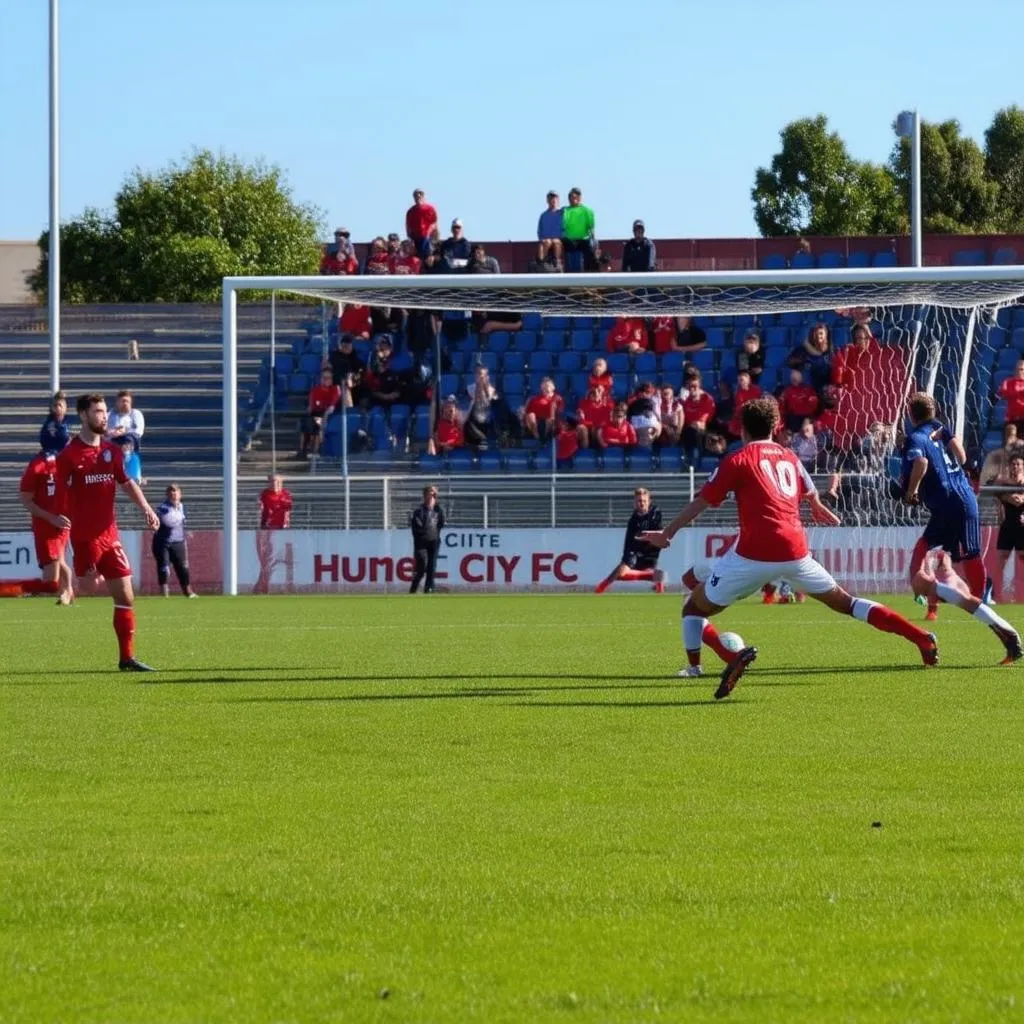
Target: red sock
{"type": "Point", "coordinates": [124, 627]}
{"type": "Point", "coordinates": [769, 590]}
{"type": "Point", "coordinates": [974, 576]}
{"type": "Point", "coordinates": [917, 556]}
{"type": "Point", "coordinates": [40, 586]}
{"type": "Point", "coordinates": [710, 637]}
{"type": "Point", "coordinates": [604, 584]}
{"type": "Point", "coordinates": [888, 621]}
{"type": "Point", "coordinates": [637, 574]}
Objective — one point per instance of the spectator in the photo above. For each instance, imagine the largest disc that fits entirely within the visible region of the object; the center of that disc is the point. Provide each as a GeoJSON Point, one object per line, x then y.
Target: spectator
{"type": "Point", "coordinates": [750, 358]}
{"type": "Point", "coordinates": [1012, 389]}
{"type": "Point", "coordinates": [594, 411]}
{"type": "Point", "coordinates": [456, 250]}
{"type": "Point", "coordinates": [275, 505]}
{"type": "Point", "coordinates": [420, 223]}
{"type": "Point", "coordinates": [132, 462]}
{"type": "Point", "coordinates": [484, 417]}
{"type": "Point", "coordinates": [567, 442]}
{"type": "Point", "coordinates": [618, 432]}
{"type": "Point", "coordinates": [746, 391]}
{"type": "Point", "coordinates": [698, 408]}
{"type": "Point", "coordinates": [578, 234]}
{"type": "Point", "coordinates": [427, 522]}
{"type": "Point", "coordinates": [448, 433]}
{"type": "Point", "coordinates": [337, 261]}
{"type": "Point", "coordinates": [676, 334]}
{"type": "Point", "coordinates": [638, 253]}
{"type": "Point", "coordinates": [725, 407]}
{"type": "Point", "coordinates": [672, 417]}
{"type": "Point", "coordinates": [486, 323]}
{"type": "Point", "coordinates": [378, 259]}
{"type": "Point", "coordinates": [600, 377]}
{"type": "Point", "coordinates": [644, 411]}
{"type": "Point", "coordinates": [813, 357]}
{"type": "Point", "coordinates": [170, 546]}
{"type": "Point", "coordinates": [405, 260]}
{"type": "Point", "coordinates": [542, 410]}
{"type": "Point", "coordinates": [798, 402]}
{"type": "Point", "coordinates": [323, 397]}
{"type": "Point", "coordinates": [126, 423]}
{"type": "Point", "coordinates": [54, 434]}
{"type": "Point", "coordinates": [342, 244]}
{"type": "Point", "coordinates": [393, 245]}
{"type": "Point", "coordinates": [1010, 506]}
{"type": "Point", "coordinates": [347, 366]}
{"type": "Point", "coordinates": [480, 263]}
{"type": "Point", "coordinates": [356, 321]}
{"type": "Point", "coordinates": [825, 424]}
{"type": "Point", "coordinates": [549, 234]}
{"type": "Point", "coordinates": [383, 384]}
{"type": "Point", "coordinates": [691, 338]}
{"type": "Point", "coordinates": [628, 334]}
{"type": "Point", "coordinates": [807, 445]}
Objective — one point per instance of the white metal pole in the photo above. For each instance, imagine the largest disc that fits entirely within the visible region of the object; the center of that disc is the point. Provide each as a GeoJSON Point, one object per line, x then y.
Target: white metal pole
{"type": "Point", "coordinates": [915, 191]}
{"type": "Point", "coordinates": [348, 504]}
{"type": "Point", "coordinates": [54, 250]}
{"type": "Point", "coordinates": [230, 427]}
{"type": "Point", "coordinates": [273, 381]}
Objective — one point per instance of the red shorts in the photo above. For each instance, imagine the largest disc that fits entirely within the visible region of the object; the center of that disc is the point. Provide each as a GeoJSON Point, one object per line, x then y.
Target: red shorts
{"type": "Point", "coordinates": [50, 546]}
{"type": "Point", "coordinates": [104, 554]}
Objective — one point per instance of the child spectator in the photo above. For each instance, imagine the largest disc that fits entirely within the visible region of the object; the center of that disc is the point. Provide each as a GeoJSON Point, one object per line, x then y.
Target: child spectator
{"type": "Point", "coordinates": [132, 462]}
{"type": "Point", "coordinates": [54, 434]}
{"type": "Point", "coordinates": [750, 358]}
{"type": "Point", "coordinates": [618, 432]}
{"type": "Point", "coordinates": [484, 416]}
{"type": "Point", "coordinates": [628, 334]}
{"type": "Point", "coordinates": [600, 377]}
{"type": "Point", "coordinates": [541, 411]}
{"type": "Point", "coordinates": [798, 402]}
{"type": "Point", "coordinates": [448, 434]}
{"type": "Point", "coordinates": [746, 391]}
{"type": "Point", "coordinates": [814, 357]}
{"type": "Point", "coordinates": [405, 260]}
{"type": "Point", "coordinates": [338, 262]}
{"type": "Point", "coordinates": [355, 321]}
{"type": "Point", "coordinates": [378, 260]}
{"type": "Point", "coordinates": [698, 408]}
{"type": "Point", "coordinates": [566, 441]}
{"type": "Point", "coordinates": [1012, 390]}
{"type": "Point", "coordinates": [672, 417]}
{"type": "Point", "coordinates": [323, 397]}
{"type": "Point", "coordinates": [593, 413]}
{"type": "Point", "coordinates": [644, 411]}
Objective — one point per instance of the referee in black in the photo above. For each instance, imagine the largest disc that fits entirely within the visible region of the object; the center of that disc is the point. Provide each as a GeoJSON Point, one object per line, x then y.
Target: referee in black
{"type": "Point", "coordinates": [427, 524]}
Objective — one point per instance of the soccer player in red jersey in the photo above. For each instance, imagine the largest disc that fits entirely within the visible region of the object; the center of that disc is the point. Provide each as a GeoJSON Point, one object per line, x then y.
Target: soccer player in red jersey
{"type": "Point", "coordinates": [38, 493]}
{"type": "Point", "coordinates": [1012, 389]}
{"type": "Point", "coordinates": [769, 483]}
{"type": "Point", "coordinates": [89, 471]}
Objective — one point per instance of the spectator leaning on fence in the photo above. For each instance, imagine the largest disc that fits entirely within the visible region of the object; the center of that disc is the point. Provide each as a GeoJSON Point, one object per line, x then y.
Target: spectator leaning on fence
{"type": "Point", "coordinates": [638, 254]}
{"type": "Point", "coordinates": [549, 234]}
{"type": "Point", "coordinates": [54, 434]}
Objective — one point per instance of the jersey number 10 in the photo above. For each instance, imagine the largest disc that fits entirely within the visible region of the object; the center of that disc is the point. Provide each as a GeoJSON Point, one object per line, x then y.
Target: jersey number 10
{"type": "Point", "coordinates": [782, 475]}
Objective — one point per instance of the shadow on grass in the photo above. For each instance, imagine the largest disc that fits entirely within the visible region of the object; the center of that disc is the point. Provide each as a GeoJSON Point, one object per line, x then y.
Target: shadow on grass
{"type": "Point", "coordinates": [706, 703]}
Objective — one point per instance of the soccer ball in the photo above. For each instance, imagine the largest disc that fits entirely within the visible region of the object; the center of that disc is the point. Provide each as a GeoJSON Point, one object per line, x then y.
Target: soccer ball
{"type": "Point", "coordinates": [732, 642]}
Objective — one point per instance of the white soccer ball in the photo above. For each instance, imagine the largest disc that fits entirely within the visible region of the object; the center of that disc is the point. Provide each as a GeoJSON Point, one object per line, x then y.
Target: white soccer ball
{"type": "Point", "coordinates": [732, 642]}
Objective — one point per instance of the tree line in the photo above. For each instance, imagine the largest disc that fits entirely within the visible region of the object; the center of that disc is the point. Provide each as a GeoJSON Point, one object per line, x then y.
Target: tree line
{"type": "Point", "coordinates": [813, 185]}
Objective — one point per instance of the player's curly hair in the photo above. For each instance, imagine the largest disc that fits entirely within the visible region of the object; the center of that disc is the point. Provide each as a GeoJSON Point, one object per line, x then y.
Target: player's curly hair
{"type": "Point", "coordinates": [760, 417]}
{"type": "Point", "coordinates": [86, 402]}
{"type": "Point", "coordinates": [921, 407]}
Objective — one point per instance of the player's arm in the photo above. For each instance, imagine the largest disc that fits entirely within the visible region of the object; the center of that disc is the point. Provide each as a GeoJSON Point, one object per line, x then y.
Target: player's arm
{"type": "Point", "coordinates": [918, 468]}
{"type": "Point", "coordinates": [956, 449]}
{"type": "Point", "coordinates": [134, 492]}
{"type": "Point", "coordinates": [820, 512]}
{"type": "Point", "coordinates": [662, 538]}
{"type": "Point", "coordinates": [61, 522]}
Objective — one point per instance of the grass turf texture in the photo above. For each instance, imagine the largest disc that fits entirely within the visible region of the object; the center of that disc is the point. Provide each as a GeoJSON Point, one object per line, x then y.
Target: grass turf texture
{"type": "Point", "coordinates": [503, 809]}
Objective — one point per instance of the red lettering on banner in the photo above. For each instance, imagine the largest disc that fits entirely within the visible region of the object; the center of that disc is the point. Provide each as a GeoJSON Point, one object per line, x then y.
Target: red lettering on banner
{"type": "Point", "coordinates": [322, 568]}
{"type": "Point", "coordinates": [541, 564]}
{"type": "Point", "coordinates": [561, 574]}
{"type": "Point", "coordinates": [716, 544]}
{"type": "Point", "coordinates": [508, 566]}
{"type": "Point", "coordinates": [384, 565]}
{"type": "Point", "coordinates": [472, 577]}
{"type": "Point", "coordinates": [405, 569]}
{"type": "Point", "coordinates": [346, 570]}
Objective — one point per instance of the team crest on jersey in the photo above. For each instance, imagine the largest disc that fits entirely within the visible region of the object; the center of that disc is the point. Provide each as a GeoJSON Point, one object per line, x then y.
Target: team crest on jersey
{"type": "Point", "coordinates": [106, 455]}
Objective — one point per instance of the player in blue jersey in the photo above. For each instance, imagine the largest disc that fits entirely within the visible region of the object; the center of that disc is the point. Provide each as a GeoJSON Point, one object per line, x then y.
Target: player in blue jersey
{"type": "Point", "coordinates": [933, 475]}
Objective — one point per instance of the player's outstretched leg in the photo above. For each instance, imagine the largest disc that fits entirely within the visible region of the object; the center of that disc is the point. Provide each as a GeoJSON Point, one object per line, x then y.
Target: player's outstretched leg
{"type": "Point", "coordinates": [917, 560]}
{"type": "Point", "coordinates": [697, 630]}
{"type": "Point", "coordinates": [124, 624]}
{"type": "Point", "coordinates": [623, 572]}
{"type": "Point", "coordinates": [974, 575]}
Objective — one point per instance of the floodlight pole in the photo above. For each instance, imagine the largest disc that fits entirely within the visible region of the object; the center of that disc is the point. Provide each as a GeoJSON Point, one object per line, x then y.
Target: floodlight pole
{"type": "Point", "coordinates": [908, 125]}
{"type": "Point", "coordinates": [54, 246]}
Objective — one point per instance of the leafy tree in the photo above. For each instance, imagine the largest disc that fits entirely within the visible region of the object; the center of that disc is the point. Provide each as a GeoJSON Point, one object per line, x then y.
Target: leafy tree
{"type": "Point", "coordinates": [956, 195]}
{"type": "Point", "coordinates": [815, 187]}
{"type": "Point", "coordinates": [172, 236]}
{"type": "Point", "coordinates": [1004, 165]}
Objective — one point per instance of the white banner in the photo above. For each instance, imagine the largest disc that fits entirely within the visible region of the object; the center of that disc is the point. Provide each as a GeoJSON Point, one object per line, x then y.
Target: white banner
{"type": "Point", "coordinates": [18, 554]}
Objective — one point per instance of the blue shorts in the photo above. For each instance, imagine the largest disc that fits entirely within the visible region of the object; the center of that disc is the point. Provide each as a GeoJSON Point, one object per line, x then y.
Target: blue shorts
{"type": "Point", "coordinates": [956, 528]}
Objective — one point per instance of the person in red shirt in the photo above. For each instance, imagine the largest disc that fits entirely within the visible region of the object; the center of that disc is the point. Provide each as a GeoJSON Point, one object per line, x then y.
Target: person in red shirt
{"type": "Point", "coordinates": [356, 322]}
{"type": "Point", "coordinates": [799, 402]}
{"type": "Point", "coordinates": [1012, 389]}
{"type": "Point", "coordinates": [275, 505]}
{"type": "Point", "coordinates": [420, 222]}
{"type": "Point", "coordinates": [600, 377]}
{"type": "Point", "coordinates": [618, 432]}
{"type": "Point", "coordinates": [628, 334]}
{"type": "Point", "coordinates": [38, 493]}
{"type": "Point", "coordinates": [593, 413]}
{"type": "Point", "coordinates": [676, 334]}
{"type": "Point", "coordinates": [448, 433]}
{"type": "Point", "coordinates": [323, 397]}
{"type": "Point", "coordinates": [378, 259]}
{"type": "Point", "coordinates": [89, 472]}
{"type": "Point", "coordinates": [541, 411]}
{"type": "Point", "coordinates": [405, 261]}
{"type": "Point", "coordinates": [769, 485]}
{"type": "Point", "coordinates": [567, 442]}
{"type": "Point", "coordinates": [698, 408]}
{"type": "Point", "coordinates": [745, 392]}
{"type": "Point", "coordinates": [339, 262]}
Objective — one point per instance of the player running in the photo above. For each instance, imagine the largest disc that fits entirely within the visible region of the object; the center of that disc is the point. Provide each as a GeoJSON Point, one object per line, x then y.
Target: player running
{"type": "Point", "coordinates": [89, 471]}
{"type": "Point", "coordinates": [769, 483]}
{"type": "Point", "coordinates": [937, 581]}
{"type": "Point", "coordinates": [639, 559]}
{"type": "Point", "coordinates": [38, 493]}
{"type": "Point", "coordinates": [933, 474]}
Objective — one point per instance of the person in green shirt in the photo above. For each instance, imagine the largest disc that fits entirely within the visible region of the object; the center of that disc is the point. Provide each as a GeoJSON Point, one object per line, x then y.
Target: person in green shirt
{"type": "Point", "coordinates": [578, 233]}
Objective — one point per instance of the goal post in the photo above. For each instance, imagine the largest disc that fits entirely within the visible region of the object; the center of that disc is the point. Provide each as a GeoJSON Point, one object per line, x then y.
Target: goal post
{"type": "Point", "coordinates": [937, 315]}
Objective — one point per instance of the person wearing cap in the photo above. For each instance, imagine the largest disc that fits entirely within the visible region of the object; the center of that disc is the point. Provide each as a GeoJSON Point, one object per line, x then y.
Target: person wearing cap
{"type": "Point", "coordinates": [456, 249]}
{"type": "Point", "coordinates": [638, 253]}
{"type": "Point", "coordinates": [420, 222]}
{"type": "Point", "coordinates": [347, 366]}
{"type": "Point", "coordinates": [378, 259]}
{"type": "Point", "coordinates": [337, 260]}
{"type": "Point", "coordinates": [549, 233]}
{"type": "Point", "coordinates": [750, 358]}
{"type": "Point", "coordinates": [426, 522]}
{"type": "Point", "coordinates": [342, 244]}
{"type": "Point", "coordinates": [54, 434]}
{"type": "Point", "coordinates": [578, 232]}
{"type": "Point", "coordinates": [394, 244]}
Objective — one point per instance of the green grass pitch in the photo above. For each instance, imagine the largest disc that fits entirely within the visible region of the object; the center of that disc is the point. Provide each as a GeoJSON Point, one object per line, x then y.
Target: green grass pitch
{"type": "Point", "coordinates": [504, 809]}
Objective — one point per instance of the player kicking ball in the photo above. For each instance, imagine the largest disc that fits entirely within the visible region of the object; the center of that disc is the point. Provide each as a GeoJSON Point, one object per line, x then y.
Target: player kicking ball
{"type": "Point", "coordinates": [639, 559]}
{"type": "Point", "coordinates": [937, 581]}
{"type": "Point", "coordinates": [769, 483]}
{"type": "Point", "coordinates": [89, 471]}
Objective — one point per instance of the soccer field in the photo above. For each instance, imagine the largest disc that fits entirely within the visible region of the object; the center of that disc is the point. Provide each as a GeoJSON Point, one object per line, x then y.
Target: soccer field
{"type": "Point", "coordinates": [504, 809]}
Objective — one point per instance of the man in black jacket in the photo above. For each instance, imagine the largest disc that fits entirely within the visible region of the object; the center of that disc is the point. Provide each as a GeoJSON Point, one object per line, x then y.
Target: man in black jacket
{"type": "Point", "coordinates": [639, 559]}
{"type": "Point", "coordinates": [427, 524]}
{"type": "Point", "coordinates": [638, 253]}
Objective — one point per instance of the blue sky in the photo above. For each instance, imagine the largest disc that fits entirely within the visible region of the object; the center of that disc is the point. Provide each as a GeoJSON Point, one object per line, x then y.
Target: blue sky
{"type": "Point", "coordinates": [660, 109]}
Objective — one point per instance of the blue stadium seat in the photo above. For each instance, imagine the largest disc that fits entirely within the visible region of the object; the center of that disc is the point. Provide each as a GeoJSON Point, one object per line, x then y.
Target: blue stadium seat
{"type": "Point", "coordinates": [432, 464]}
{"type": "Point", "coordinates": [284, 363]}
{"type": "Point", "coordinates": [1017, 341]}
{"type": "Point", "coordinates": [310, 363]}
{"type": "Point", "coordinates": [1018, 316]}
{"type": "Point", "coordinates": [671, 362]}
{"type": "Point", "coordinates": [858, 260]}
{"type": "Point", "coordinates": [1007, 358]}
{"type": "Point", "coordinates": [421, 427]}
{"type": "Point", "coordinates": [650, 464]}
{"type": "Point", "coordinates": [802, 261]}
{"type": "Point", "coordinates": [773, 262]}
{"type": "Point", "coordinates": [542, 361]}
{"type": "Point", "coordinates": [614, 459]}
{"type": "Point", "coordinates": [569, 362]}
{"type": "Point", "coordinates": [491, 462]}
{"type": "Point", "coordinates": [775, 356]}
{"type": "Point", "coordinates": [517, 460]}
{"type": "Point", "coordinates": [704, 360]}
{"type": "Point", "coordinates": [709, 381]}
{"type": "Point", "coordinates": [524, 341]}
{"type": "Point", "coordinates": [578, 384]}
{"type": "Point", "coordinates": [997, 337]}
{"type": "Point", "coordinates": [884, 258]}
{"type": "Point", "coordinates": [489, 359]}
{"type": "Point", "coordinates": [776, 336]}
{"type": "Point", "coordinates": [969, 258]}
{"type": "Point", "coordinates": [581, 341]}
{"type": "Point", "coordinates": [582, 323]}
{"type": "Point", "coordinates": [449, 384]}
{"type": "Point", "coordinates": [534, 380]}
{"type": "Point", "coordinates": [542, 462]}
{"type": "Point", "coordinates": [562, 382]}
{"type": "Point", "coordinates": [461, 460]}
{"type": "Point", "coordinates": [553, 341]}
{"type": "Point", "coordinates": [557, 323]}
{"type": "Point", "coordinates": [532, 321]}
{"type": "Point", "coordinates": [298, 383]}
{"type": "Point", "coordinates": [499, 341]}
{"type": "Point", "coordinates": [401, 362]}
{"type": "Point", "coordinates": [618, 362]}
{"type": "Point", "coordinates": [400, 417]}
{"type": "Point", "coordinates": [791, 320]}
{"type": "Point", "coordinates": [645, 364]}
{"type": "Point", "coordinates": [831, 260]}
{"type": "Point", "coordinates": [585, 461]}
{"type": "Point", "coordinates": [716, 337]}
{"type": "Point", "coordinates": [840, 335]}
{"type": "Point", "coordinates": [514, 362]}
{"type": "Point", "coordinates": [998, 418]}
{"type": "Point", "coordinates": [1005, 256]}
{"type": "Point", "coordinates": [513, 385]}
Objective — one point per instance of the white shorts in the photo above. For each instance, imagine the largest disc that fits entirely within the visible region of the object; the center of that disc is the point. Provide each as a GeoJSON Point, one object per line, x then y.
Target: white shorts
{"type": "Point", "coordinates": [733, 577]}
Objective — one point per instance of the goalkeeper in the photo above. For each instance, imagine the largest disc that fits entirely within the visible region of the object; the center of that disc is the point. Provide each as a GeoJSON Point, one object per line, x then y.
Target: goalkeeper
{"type": "Point", "coordinates": [639, 559]}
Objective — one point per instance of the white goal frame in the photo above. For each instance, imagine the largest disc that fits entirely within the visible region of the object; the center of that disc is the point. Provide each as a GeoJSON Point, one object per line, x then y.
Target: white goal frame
{"type": "Point", "coordinates": [926, 284]}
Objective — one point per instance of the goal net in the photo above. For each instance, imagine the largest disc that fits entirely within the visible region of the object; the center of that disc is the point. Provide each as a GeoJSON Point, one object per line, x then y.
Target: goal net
{"type": "Point", "coordinates": [955, 333]}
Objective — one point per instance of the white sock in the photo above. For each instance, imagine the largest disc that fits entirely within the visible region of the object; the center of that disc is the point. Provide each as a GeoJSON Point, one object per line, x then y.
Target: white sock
{"type": "Point", "coordinates": [862, 609]}
{"type": "Point", "coordinates": [990, 618]}
{"type": "Point", "coordinates": [693, 632]}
